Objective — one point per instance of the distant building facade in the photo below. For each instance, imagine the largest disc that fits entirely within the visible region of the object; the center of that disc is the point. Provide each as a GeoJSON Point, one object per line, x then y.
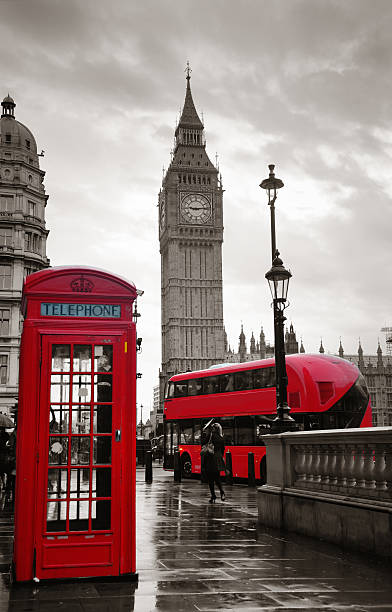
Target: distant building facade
{"type": "Point", "coordinates": [260, 349]}
{"type": "Point", "coordinates": [22, 239]}
{"type": "Point", "coordinates": [377, 371]}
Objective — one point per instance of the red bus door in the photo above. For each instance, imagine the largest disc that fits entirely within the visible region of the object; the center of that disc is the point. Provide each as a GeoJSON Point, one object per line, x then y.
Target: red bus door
{"type": "Point", "coordinates": [78, 512]}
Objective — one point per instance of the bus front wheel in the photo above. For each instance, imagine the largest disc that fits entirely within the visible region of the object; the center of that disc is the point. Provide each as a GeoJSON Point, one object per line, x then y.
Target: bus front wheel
{"type": "Point", "coordinates": [186, 465]}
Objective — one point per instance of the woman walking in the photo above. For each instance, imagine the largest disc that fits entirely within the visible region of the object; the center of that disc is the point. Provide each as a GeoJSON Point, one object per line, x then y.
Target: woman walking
{"type": "Point", "coordinates": [212, 462]}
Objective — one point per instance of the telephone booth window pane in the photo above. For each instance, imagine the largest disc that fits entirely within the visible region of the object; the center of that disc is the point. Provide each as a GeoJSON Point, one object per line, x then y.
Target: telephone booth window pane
{"type": "Point", "coordinates": [80, 450]}
{"type": "Point", "coordinates": [61, 357]}
{"type": "Point", "coordinates": [102, 482]}
{"type": "Point", "coordinates": [100, 514]}
{"type": "Point", "coordinates": [59, 388]}
{"type": "Point", "coordinates": [102, 419]}
{"type": "Point", "coordinates": [57, 483]}
{"type": "Point", "coordinates": [81, 419]}
{"type": "Point", "coordinates": [78, 515]}
{"type": "Point", "coordinates": [103, 358]}
{"type": "Point", "coordinates": [80, 483]}
{"type": "Point", "coordinates": [59, 419]}
{"type": "Point", "coordinates": [58, 450]}
{"type": "Point", "coordinates": [102, 450]}
{"type": "Point", "coordinates": [81, 388]}
{"type": "Point", "coordinates": [82, 358]}
{"type": "Point", "coordinates": [56, 516]}
{"type": "Point", "coordinates": [103, 388]}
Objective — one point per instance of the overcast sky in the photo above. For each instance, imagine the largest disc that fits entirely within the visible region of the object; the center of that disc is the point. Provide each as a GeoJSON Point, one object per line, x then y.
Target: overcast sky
{"type": "Point", "coordinates": [303, 84]}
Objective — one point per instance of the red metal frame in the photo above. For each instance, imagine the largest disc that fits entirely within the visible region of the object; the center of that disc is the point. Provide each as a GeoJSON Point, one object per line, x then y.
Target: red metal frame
{"type": "Point", "coordinates": [305, 373]}
{"type": "Point", "coordinates": [63, 554]}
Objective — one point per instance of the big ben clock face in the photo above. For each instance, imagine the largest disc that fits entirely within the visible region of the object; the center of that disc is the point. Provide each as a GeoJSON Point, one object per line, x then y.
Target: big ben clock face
{"type": "Point", "coordinates": [195, 208]}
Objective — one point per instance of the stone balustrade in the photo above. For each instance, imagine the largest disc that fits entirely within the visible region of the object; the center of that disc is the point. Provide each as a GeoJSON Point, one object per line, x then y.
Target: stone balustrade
{"type": "Point", "coordinates": [334, 484]}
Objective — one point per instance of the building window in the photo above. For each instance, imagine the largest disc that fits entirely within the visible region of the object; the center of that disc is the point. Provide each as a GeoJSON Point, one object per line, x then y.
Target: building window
{"type": "Point", "coordinates": [8, 137]}
{"type": "Point", "coordinates": [28, 144]}
{"type": "Point", "coordinates": [389, 400]}
{"type": "Point", "coordinates": [5, 314]}
{"type": "Point", "coordinates": [33, 209]}
{"type": "Point", "coordinates": [3, 369]}
{"type": "Point", "coordinates": [6, 203]}
{"type": "Point", "coordinates": [5, 276]}
{"type": "Point", "coordinates": [5, 236]}
{"type": "Point", "coordinates": [29, 270]}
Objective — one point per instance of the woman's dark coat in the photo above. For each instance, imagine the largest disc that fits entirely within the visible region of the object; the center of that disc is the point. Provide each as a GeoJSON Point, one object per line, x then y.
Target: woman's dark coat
{"type": "Point", "coordinates": [212, 465]}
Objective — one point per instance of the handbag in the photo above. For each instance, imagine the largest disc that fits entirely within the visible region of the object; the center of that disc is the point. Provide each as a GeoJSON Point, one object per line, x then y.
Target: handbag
{"type": "Point", "coordinates": [207, 449]}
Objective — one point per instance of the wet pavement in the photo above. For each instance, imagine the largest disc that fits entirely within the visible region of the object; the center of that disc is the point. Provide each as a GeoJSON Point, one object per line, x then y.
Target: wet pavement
{"type": "Point", "coordinates": [193, 556]}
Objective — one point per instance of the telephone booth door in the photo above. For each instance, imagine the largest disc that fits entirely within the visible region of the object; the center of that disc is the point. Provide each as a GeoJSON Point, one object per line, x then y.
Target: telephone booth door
{"type": "Point", "coordinates": [78, 517]}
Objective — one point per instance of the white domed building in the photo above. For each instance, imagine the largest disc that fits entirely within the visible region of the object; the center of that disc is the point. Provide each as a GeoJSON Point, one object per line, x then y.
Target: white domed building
{"type": "Point", "coordinates": [22, 239]}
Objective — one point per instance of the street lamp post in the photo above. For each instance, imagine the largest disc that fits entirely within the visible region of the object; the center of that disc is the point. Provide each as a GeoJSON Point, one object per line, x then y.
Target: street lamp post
{"type": "Point", "coordinates": [278, 278]}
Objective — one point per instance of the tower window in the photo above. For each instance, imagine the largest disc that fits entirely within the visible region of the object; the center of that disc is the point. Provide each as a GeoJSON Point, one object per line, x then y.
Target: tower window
{"type": "Point", "coordinates": [6, 203]}
{"type": "Point", "coordinates": [8, 137]}
{"type": "Point", "coordinates": [28, 144]}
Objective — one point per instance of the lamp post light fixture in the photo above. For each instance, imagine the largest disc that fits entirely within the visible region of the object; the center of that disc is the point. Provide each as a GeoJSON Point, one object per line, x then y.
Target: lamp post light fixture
{"type": "Point", "coordinates": [278, 278]}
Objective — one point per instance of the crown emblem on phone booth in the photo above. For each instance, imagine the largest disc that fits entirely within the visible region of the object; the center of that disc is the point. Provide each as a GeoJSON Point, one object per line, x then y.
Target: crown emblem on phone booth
{"type": "Point", "coordinates": [82, 285]}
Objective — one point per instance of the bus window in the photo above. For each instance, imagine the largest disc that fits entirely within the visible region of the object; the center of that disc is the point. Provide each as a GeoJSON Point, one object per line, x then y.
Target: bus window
{"type": "Point", "coordinates": [228, 430]}
{"type": "Point", "coordinates": [170, 391]}
{"type": "Point", "coordinates": [211, 384]}
{"type": "Point", "coordinates": [264, 377]}
{"type": "Point", "coordinates": [243, 380]}
{"type": "Point", "coordinates": [196, 433]}
{"type": "Point", "coordinates": [195, 386]}
{"type": "Point", "coordinates": [174, 437]}
{"type": "Point", "coordinates": [244, 430]}
{"type": "Point", "coordinates": [226, 383]}
{"type": "Point", "coordinates": [181, 388]}
{"type": "Point", "coordinates": [186, 433]}
{"type": "Point", "coordinates": [263, 427]}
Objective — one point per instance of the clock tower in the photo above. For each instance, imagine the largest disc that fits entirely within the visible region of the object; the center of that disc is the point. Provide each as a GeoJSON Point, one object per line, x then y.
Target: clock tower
{"type": "Point", "coordinates": [191, 237]}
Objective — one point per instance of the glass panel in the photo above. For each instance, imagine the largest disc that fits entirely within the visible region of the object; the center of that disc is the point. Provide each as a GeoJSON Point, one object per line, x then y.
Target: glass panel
{"type": "Point", "coordinates": [103, 388]}
{"type": "Point", "coordinates": [102, 482]}
{"type": "Point", "coordinates": [81, 419]}
{"type": "Point", "coordinates": [81, 388]}
{"type": "Point", "coordinates": [100, 514]}
{"type": "Point", "coordinates": [82, 358]}
{"type": "Point", "coordinates": [59, 419]}
{"type": "Point", "coordinates": [186, 434]}
{"type": "Point", "coordinates": [264, 377]}
{"type": "Point", "coordinates": [56, 515]}
{"type": "Point", "coordinates": [195, 386]}
{"type": "Point", "coordinates": [245, 430]}
{"type": "Point", "coordinates": [102, 449]}
{"type": "Point", "coordinates": [80, 483]}
{"type": "Point", "coordinates": [211, 384]}
{"type": "Point", "coordinates": [181, 389]}
{"type": "Point", "coordinates": [103, 358]}
{"type": "Point", "coordinates": [102, 419]}
{"type": "Point", "coordinates": [61, 357]}
{"type": "Point", "coordinates": [58, 450]}
{"type": "Point", "coordinates": [57, 483]}
{"type": "Point", "coordinates": [228, 430]}
{"type": "Point", "coordinates": [197, 432]}
{"type": "Point", "coordinates": [78, 515]}
{"type": "Point", "coordinates": [80, 450]}
{"type": "Point", "coordinates": [263, 427]}
{"type": "Point", "coordinates": [243, 380]}
{"type": "Point", "coordinates": [59, 388]}
{"type": "Point", "coordinates": [226, 383]}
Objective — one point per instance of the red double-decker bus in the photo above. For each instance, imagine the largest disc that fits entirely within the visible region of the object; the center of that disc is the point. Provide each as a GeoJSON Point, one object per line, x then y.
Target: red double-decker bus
{"type": "Point", "coordinates": [324, 392]}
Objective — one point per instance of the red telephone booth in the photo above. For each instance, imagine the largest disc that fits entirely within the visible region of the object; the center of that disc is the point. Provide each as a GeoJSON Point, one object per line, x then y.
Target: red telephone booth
{"type": "Point", "coordinates": [76, 434]}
